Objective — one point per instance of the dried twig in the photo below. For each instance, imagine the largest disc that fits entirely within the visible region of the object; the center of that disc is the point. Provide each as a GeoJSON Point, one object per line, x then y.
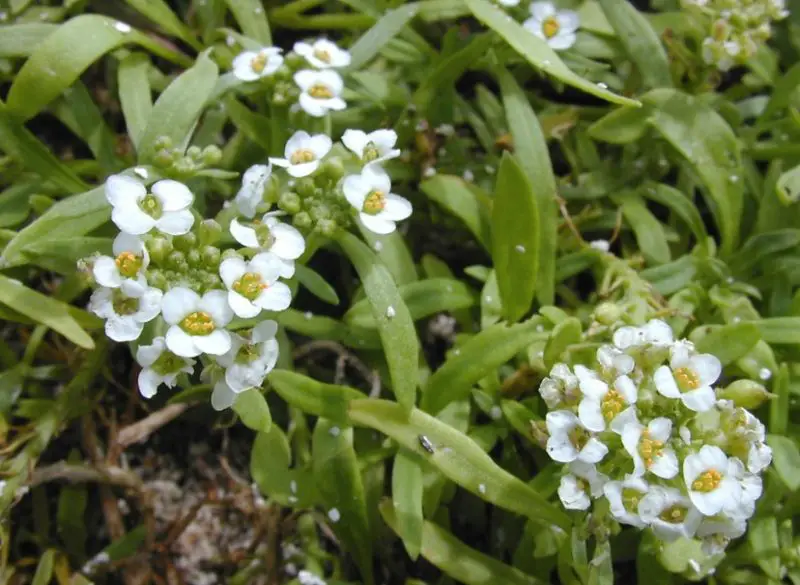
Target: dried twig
{"type": "Point", "coordinates": [77, 473]}
{"type": "Point", "coordinates": [139, 431]}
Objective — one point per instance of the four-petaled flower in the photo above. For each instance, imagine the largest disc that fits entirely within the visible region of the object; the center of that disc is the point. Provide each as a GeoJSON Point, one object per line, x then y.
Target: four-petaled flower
{"type": "Point", "coordinates": [710, 478]}
{"type": "Point", "coordinates": [602, 404]}
{"type": "Point", "coordinates": [649, 447]}
{"type": "Point", "coordinates": [689, 377]}
{"type": "Point", "coordinates": [323, 54]}
{"type": "Point", "coordinates": [378, 208]}
{"type": "Point", "coordinates": [251, 193]}
{"type": "Point", "coordinates": [373, 148]}
{"type": "Point", "coordinates": [321, 91]}
{"type": "Point", "coordinates": [249, 360]}
{"type": "Point", "coordinates": [303, 153]}
{"type": "Point", "coordinates": [272, 235]}
{"type": "Point", "coordinates": [582, 482]}
{"type": "Point", "coordinates": [136, 211]}
{"type": "Point", "coordinates": [252, 65]}
{"type": "Point", "coordinates": [253, 286]}
{"type": "Point", "coordinates": [127, 308]}
{"type": "Point", "coordinates": [129, 261]}
{"type": "Point", "coordinates": [570, 441]}
{"type": "Point", "coordinates": [556, 27]}
{"type": "Point", "coordinates": [669, 513]}
{"type": "Point", "coordinates": [559, 386]}
{"type": "Point", "coordinates": [197, 324]}
{"type": "Point", "coordinates": [160, 366]}
{"type": "Point", "coordinates": [624, 497]}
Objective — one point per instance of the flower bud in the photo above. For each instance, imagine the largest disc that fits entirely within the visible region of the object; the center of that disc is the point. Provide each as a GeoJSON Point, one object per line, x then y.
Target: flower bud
{"type": "Point", "coordinates": [305, 187]}
{"type": "Point", "coordinates": [272, 189]}
{"type": "Point", "coordinates": [157, 279]}
{"type": "Point", "coordinates": [185, 167]}
{"type": "Point", "coordinates": [194, 258]}
{"type": "Point", "coordinates": [327, 227]}
{"type": "Point", "coordinates": [294, 61]}
{"type": "Point", "coordinates": [230, 253]}
{"type": "Point", "coordinates": [211, 257]}
{"type": "Point", "coordinates": [607, 313]}
{"type": "Point", "coordinates": [177, 261]}
{"type": "Point", "coordinates": [194, 153]}
{"type": "Point", "coordinates": [158, 247]}
{"type": "Point", "coordinates": [320, 212]}
{"type": "Point", "coordinates": [289, 202]}
{"type": "Point", "coordinates": [209, 232]}
{"type": "Point", "coordinates": [332, 169]}
{"type": "Point", "coordinates": [163, 159]}
{"type": "Point", "coordinates": [302, 220]}
{"type": "Point", "coordinates": [185, 242]}
{"type": "Point", "coordinates": [211, 156]}
{"type": "Point", "coordinates": [745, 393]}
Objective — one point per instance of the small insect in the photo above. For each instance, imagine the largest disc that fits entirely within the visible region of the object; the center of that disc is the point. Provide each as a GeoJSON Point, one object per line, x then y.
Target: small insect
{"type": "Point", "coordinates": [426, 444]}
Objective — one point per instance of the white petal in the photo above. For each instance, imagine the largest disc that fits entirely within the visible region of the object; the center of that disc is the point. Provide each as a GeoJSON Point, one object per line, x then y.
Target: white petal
{"type": "Point", "coordinates": [177, 303]}
{"type": "Point", "coordinates": [215, 303]}
{"type": "Point", "coordinates": [146, 355]}
{"type": "Point", "coordinates": [563, 40]}
{"type": "Point", "coordinates": [397, 208]}
{"type": "Point", "coordinates": [377, 224]}
{"type": "Point", "coordinates": [593, 451]}
{"type": "Point", "coordinates": [692, 467]}
{"type": "Point", "coordinates": [665, 383]}
{"type": "Point", "coordinates": [707, 367]}
{"type": "Point", "coordinates": [106, 272]}
{"type": "Point", "coordinates": [149, 381]}
{"type": "Point", "coordinates": [222, 397]}
{"type": "Point", "coordinates": [660, 429]}
{"type": "Point", "coordinates": [623, 419]}
{"type": "Point", "coordinates": [132, 220]}
{"type": "Point", "coordinates": [175, 223]}
{"type": "Point", "coordinates": [759, 457]}
{"type": "Point", "coordinates": [298, 141]}
{"type": "Point", "coordinates": [699, 400]}
{"type": "Point", "coordinates": [666, 465]}
{"type": "Point", "coordinates": [289, 242]}
{"type": "Point", "coordinates": [336, 104]}
{"type": "Point", "coordinates": [304, 79]}
{"type": "Point", "coordinates": [626, 337]}
{"type": "Point", "coordinates": [303, 49]}
{"type": "Point", "coordinates": [231, 270]}
{"type": "Point", "coordinates": [355, 190]}
{"type": "Point", "coordinates": [128, 243]}
{"type": "Point", "coordinates": [172, 195]}
{"type": "Point", "coordinates": [312, 106]}
{"type": "Point", "coordinates": [534, 26]}
{"type": "Point", "coordinates": [591, 415]}
{"type": "Point", "coordinates": [264, 331]}
{"type": "Point", "coordinates": [245, 235]}
{"type": "Point", "coordinates": [149, 305]}
{"type": "Point", "coordinates": [243, 66]}
{"type": "Point", "coordinates": [331, 79]}
{"type": "Point", "coordinates": [123, 328]}
{"type": "Point", "coordinates": [709, 503]}
{"type": "Point", "coordinates": [541, 10]}
{"type": "Point", "coordinates": [181, 343]}
{"type": "Point", "coordinates": [568, 20]}
{"type": "Point", "coordinates": [280, 162]}
{"type": "Point", "coordinates": [303, 169]}
{"type": "Point", "coordinates": [215, 343]}
{"type": "Point", "coordinates": [320, 145]}
{"type": "Point", "coordinates": [592, 387]}
{"type": "Point", "coordinates": [100, 303]}
{"type": "Point", "coordinates": [561, 450]}
{"type": "Point", "coordinates": [267, 265]}
{"type": "Point", "coordinates": [658, 332]}
{"type": "Point", "coordinates": [572, 495]}
{"type": "Point", "coordinates": [625, 386]}
{"type": "Point", "coordinates": [121, 189]}
{"type": "Point", "coordinates": [269, 355]}
{"type": "Point", "coordinates": [241, 306]}
{"type": "Point", "coordinates": [241, 377]}
{"type": "Point", "coordinates": [355, 141]}
{"type": "Point", "coordinates": [275, 298]}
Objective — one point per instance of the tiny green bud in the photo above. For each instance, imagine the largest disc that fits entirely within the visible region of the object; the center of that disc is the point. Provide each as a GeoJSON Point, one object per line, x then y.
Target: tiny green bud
{"type": "Point", "coordinates": [211, 257]}
{"type": "Point", "coordinates": [319, 212]}
{"type": "Point", "coordinates": [157, 279]}
{"type": "Point", "coordinates": [283, 73]}
{"type": "Point", "coordinates": [327, 227]}
{"type": "Point", "coordinates": [229, 253]}
{"type": "Point", "coordinates": [745, 393]}
{"type": "Point", "coordinates": [289, 202]}
{"type": "Point", "coordinates": [177, 261]}
{"type": "Point", "coordinates": [302, 220]}
{"type": "Point", "coordinates": [164, 142]}
{"type": "Point", "coordinates": [294, 61]}
{"type": "Point", "coordinates": [158, 247]}
{"type": "Point", "coordinates": [607, 313]}
{"type": "Point", "coordinates": [194, 152]}
{"type": "Point", "coordinates": [305, 187]}
{"type": "Point", "coordinates": [211, 281]}
{"type": "Point", "coordinates": [272, 189]}
{"type": "Point", "coordinates": [194, 258]}
{"type": "Point", "coordinates": [163, 159]}
{"type": "Point", "coordinates": [40, 203]}
{"type": "Point", "coordinates": [212, 155]}
{"type": "Point", "coordinates": [185, 166]}
{"type": "Point", "coordinates": [332, 169]}
{"type": "Point", "coordinates": [209, 232]}
{"type": "Point", "coordinates": [185, 242]}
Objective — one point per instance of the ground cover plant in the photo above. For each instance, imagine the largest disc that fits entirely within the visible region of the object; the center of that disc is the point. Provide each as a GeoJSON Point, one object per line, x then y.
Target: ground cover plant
{"type": "Point", "coordinates": [365, 291]}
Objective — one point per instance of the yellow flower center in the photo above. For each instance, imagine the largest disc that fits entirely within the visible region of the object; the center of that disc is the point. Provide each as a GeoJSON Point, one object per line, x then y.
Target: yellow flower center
{"type": "Point", "coordinates": [124, 305]}
{"type": "Point", "coordinates": [259, 62]}
{"type": "Point", "coordinates": [550, 27]}
{"type": "Point", "coordinates": [302, 155]}
{"type": "Point", "coordinates": [320, 91]}
{"type": "Point", "coordinates": [198, 323]}
{"type": "Point", "coordinates": [687, 379]}
{"type": "Point", "coordinates": [707, 481]}
{"type": "Point", "coordinates": [612, 405]}
{"type": "Point", "coordinates": [649, 448]}
{"type": "Point", "coordinates": [578, 437]}
{"type": "Point", "coordinates": [250, 285]}
{"type": "Point", "coordinates": [371, 152]}
{"type": "Point", "coordinates": [128, 264]}
{"type": "Point", "coordinates": [322, 55]}
{"type": "Point", "coordinates": [375, 202]}
{"type": "Point", "coordinates": [674, 514]}
{"type": "Point", "coordinates": [631, 498]}
{"type": "Point", "coordinates": [151, 206]}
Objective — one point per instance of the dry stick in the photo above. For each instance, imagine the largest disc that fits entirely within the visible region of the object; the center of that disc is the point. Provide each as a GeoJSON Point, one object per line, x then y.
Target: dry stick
{"type": "Point", "coordinates": [76, 473]}
{"type": "Point", "coordinates": [141, 430]}
{"type": "Point", "coordinates": [370, 376]}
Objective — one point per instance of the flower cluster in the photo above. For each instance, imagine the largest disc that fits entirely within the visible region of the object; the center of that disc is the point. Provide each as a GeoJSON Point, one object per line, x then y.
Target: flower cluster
{"type": "Point", "coordinates": [737, 28]}
{"type": "Point", "coordinates": [317, 86]}
{"type": "Point", "coordinates": [642, 427]}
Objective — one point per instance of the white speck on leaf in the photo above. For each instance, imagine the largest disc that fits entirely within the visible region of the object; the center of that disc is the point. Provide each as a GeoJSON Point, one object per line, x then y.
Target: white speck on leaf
{"type": "Point", "coordinates": [334, 431]}
{"type": "Point", "coordinates": [122, 27]}
{"type": "Point", "coordinates": [390, 312]}
{"type": "Point", "coordinates": [764, 373]}
{"type": "Point", "coordinates": [482, 488]}
{"type": "Point", "coordinates": [334, 515]}
{"type": "Point", "coordinates": [520, 248]}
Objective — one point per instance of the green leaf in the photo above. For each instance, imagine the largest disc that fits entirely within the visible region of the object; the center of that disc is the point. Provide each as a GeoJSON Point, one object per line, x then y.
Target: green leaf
{"type": "Point", "coordinates": [601, 569]}
{"type": "Point", "coordinates": [388, 26]}
{"type": "Point", "coordinates": [158, 12]}
{"type": "Point", "coordinates": [620, 126]}
{"type": "Point", "coordinates": [338, 478]}
{"type": "Point", "coordinates": [761, 246]}
{"type": "Point", "coordinates": [458, 457]}
{"type": "Point", "coordinates": [533, 156]}
{"type": "Point", "coordinates": [788, 186]}
{"type": "Point", "coordinates": [318, 327]}
{"type": "Point", "coordinates": [470, 205]}
{"type": "Point", "coordinates": [564, 334]}
{"type": "Point", "coordinates": [780, 330]}
{"type": "Point", "coordinates": [316, 285]}
{"type": "Point", "coordinates": [269, 467]}
{"type": "Point", "coordinates": [21, 145]}
{"type": "Point", "coordinates": [779, 407]}
{"type": "Point", "coordinates": [44, 569]}
{"type": "Point", "coordinates": [729, 342]}
{"type": "Point", "coordinates": [312, 397]}
{"type": "Point", "coordinates": [61, 254]}
{"type": "Point", "coordinates": [20, 40]}
{"type": "Point", "coordinates": [407, 492]}
{"type": "Point", "coordinates": [252, 408]}
{"type": "Point", "coordinates": [710, 148]}
{"type": "Point", "coordinates": [640, 41]}
{"type": "Point", "coordinates": [536, 51]}
{"type": "Point", "coordinates": [255, 126]}
{"type": "Point", "coordinates": [393, 252]}
{"type": "Point", "coordinates": [178, 107]}
{"type": "Point", "coordinates": [476, 358]}
{"type": "Point", "coordinates": [681, 205]}
{"type": "Point", "coordinates": [781, 95]}
{"type": "Point", "coordinates": [785, 460]}
{"type": "Point", "coordinates": [515, 238]}
{"type": "Point", "coordinates": [43, 309]}
{"type": "Point", "coordinates": [134, 94]}
{"type": "Point", "coordinates": [395, 326]}
{"type": "Point", "coordinates": [252, 19]}
{"type": "Point", "coordinates": [648, 230]}
{"type": "Point", "coordinates": [763, 538]}
{"type": "Point", "coordinates": [423, 299]}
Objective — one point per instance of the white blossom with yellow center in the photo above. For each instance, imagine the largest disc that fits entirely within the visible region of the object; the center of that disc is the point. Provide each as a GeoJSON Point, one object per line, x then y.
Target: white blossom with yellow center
{"type": "Point", "coordinates": [370, 194]}
{"type": "Point", "coordinates": [689, 377]}
{"type": "Point", "coordinates": [555, 27]}
{"type": "Point", "coordinates": [579, 485]}
{"type": "Point", "coordinates": [710, 478]}
{"type": "Point", "coordinates": [129, 261]}
{"type": "Point", "coordinates": [253, 65]}
{"type": "Point", "coordinates": [303, 153]}
{"type": "Point", "coordinates": [649, 447]}
{"type": "Point", "coordinates": [570, 441]}
{"type": "Point", "coordinates": [321, 91]}
{"type": "Point", "coordinates": [323, 54]}
{"type": "Point", "coordinates": [669, 513]}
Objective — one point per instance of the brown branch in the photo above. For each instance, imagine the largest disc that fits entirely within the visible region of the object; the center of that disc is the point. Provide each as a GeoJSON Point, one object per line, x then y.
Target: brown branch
{"type": "Point", "coordinates": [139, 431]}
{"type": "Point", "coordinates": [76, 473]}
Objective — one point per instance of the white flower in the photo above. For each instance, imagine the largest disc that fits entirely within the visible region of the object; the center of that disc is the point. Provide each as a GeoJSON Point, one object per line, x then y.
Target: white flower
{"type": "Point", "coordinates": [271, 235]}
{"type": "Point", "coordinates": [656, 333]}
{"type": "Point", "coordinates": [130, 259]}
{"type": "Point", "coordinates": [710, 478]}
{"type": "Point", "coordinates": [249, 360]}
{"type": "Point", "coordinates": [303, 153]}
{"type": "Point", "coordinates": [751, 487]}
{"type": "Point", "coordinates": [321, 91]}
{"type": "Point", "coordinates": [556, 27]}
{"type": "Point", "coordinates": [159, 366]}
{"type": "Point", "coordinates": [197, 324]}
{"type": "Point", "coordinates": [251, 194]}
{"type": "Point", "coordinates": [648, 446]}
{"type": "Point", "coordinates": [582, 481]}
{"type": "Point", "coordinates": [323, 54]}
{"type": "Point", "coordinates": [624, 497]}
{"type": "Point", "coordinates": [252, 65]}
{"type": "Point", "coordinates": [669, 513]}
{"type": "Point", "coordinates": [136, 212]}
{"type": "Point", "coordinates": [560, 385]}
{"type": "Point", "coordinates": [602, 404]}
{"type": "Point", "coordinates": [126, 309]}
{"type": "Point", "coordinates": [253, 286]}
{"type": "Point", "coordinates": [758, 457]}
{"type": "Point", "coordinates": [370, 193]}
{"type": "Point", "coordinates": [689, 377]}
{"type": "Point", "coordinates": [614, 362]}
{"type": "Point", "coordinates": [507, 3]}
{"type": "Point", "coordinates": [373, 148]}
{"type": "Point", "coordinates": [717, 531]}
{"type": "Point", "coordinates": [569, 441]}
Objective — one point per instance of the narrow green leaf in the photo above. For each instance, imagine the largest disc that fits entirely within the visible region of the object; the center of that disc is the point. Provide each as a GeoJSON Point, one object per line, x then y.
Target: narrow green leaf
{"type": "Point", "coordinates": [533, 156]}
{"type": "Point", "coordinates": [781, 95]}
{"type": "Point", "coordinates": [252, 408]}
{"type": "Point", "coordinates": [681, 205]}
{"type": "Point", "coordinates": [640, 41]}
{"type": "Point", "coordinates": [458, 457]}
{"type": "Point", "coordinates": [407, 492]}
{"type": "Point", "coordinates": [786, 460]}
{"type": "Point", "coordinates": [393, 252]}
{"type": "Point", "coordinates": [470, 205]}
{"type": "Point", "coordinates": [61, 254]}
{"type": "Point", "coordinates": [564, 334]}
{"type": "Point", "coordinates": [319, 327]}
{"type": "Point", "coordinates": [312, 397]}
{"type": "Point", "coordinates": [255, 126]}
{"type": "Point", "coordinates": [423, 299]}
{"type": "Point", "coordinates": [476, 358]}
{"type": "Point", "coordinates": [620, 126]}
{"type": "Point", "coordinates": [20, 40]}
{"type": "Point", "coordinates": [729, 342]}
{"type": "Point", "coordinates": [43, 309]}
{"type": "Point", "coordinates": [44, 569]}
{"type": "Point", "coordinates": [252, 19]}
{"type": "Point", "coordinates": [648, 230]}
{"type": "Point", "coordinates": [761, 246]}
{"type": "Point", "coordinates": [515, 238]}
{"type": "Point", "coordinates": [395, 326]}
{"type": "Point", "coordinates": [270, 460]}
{"type": "Point", "coordinates": [779, 406]}
{"type": "Point", "coordinates": [178, 107]}
{"type": "Point", "coordinates": [159, 12]}
{"type": "Point", "coordinates": [338, 478]}
{"type": "Point", "coordinates": [763, 538]}
{"type": "Point", "coordinates": [780, 330]}
{"type": "Point", "coordinates": [316, 285]}
{"type": "Point", "coordinates": [21, 145]}
{"type": "Point", "coordinates": [134, 94]}
{"type": "Point", "coordinates": [388, 26]}
{"type": "Point", "coordinates": [536, 51]}
{"type": "Point", "coordinates": [710, 148]}
{"type": "Point", "coordinates": [788, 186]}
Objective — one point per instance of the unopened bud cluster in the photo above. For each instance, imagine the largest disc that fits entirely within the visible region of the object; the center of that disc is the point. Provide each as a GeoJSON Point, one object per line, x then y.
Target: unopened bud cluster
{"type": "Point", "coordinates": [642, 427]}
